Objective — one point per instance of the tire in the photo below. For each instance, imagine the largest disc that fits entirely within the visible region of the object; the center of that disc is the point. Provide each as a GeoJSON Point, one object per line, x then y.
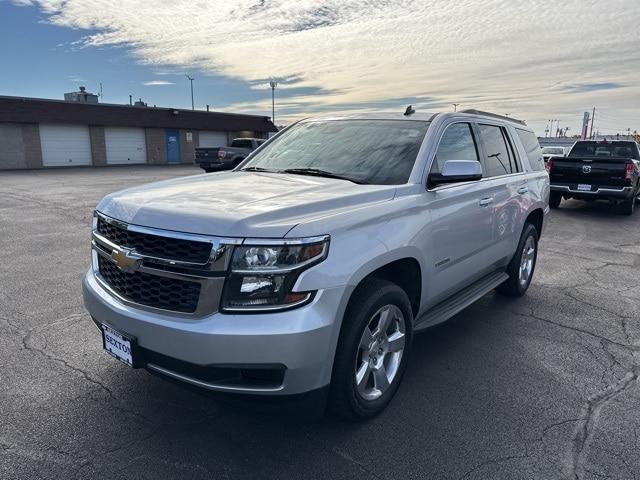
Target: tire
{"type": "Point", "coordinates": [554, 200]}
{"type": "Point", "coordinates": [365, 355]}
{"type": "Point", "coordinates": [628, 206]}
{"type": "Point", "coordinates": [517, 284]}
{"type": "Point", "coordinates": [208, 170]}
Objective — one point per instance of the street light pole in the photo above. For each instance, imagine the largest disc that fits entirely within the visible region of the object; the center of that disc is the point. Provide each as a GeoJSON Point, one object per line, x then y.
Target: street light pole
{"type": "Point", "coordinates": [455, 107]}
{"type": "Point", "coordinates": [191, 80]}
{"type": "Point", "coordinates": [273, 84]}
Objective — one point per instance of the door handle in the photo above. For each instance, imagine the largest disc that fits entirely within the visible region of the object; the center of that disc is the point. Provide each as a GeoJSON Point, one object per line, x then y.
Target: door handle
{"type": "Point", "coordinates": [522, 190]}
{"type": "Point", "coordinates": [486, 201]}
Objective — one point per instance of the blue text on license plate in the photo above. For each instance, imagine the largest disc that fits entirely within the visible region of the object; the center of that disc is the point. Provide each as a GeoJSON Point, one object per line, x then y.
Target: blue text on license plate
{"type": "Point", "coordinates": [117, 345]}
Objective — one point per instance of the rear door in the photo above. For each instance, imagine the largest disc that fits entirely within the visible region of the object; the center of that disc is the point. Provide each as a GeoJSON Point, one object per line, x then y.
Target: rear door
{"type": "Point", "coordinates": [506, 186]}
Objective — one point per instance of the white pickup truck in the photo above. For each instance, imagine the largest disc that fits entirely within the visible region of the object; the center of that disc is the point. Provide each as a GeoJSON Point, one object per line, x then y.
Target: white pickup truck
{"type": "Point", "coordinates": [310, 266]}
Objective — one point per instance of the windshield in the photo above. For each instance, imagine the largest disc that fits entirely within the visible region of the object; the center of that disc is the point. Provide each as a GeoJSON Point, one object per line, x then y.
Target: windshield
{"type": "Point", "coordinates": [553, 150]}
{"type": "Point", "coordinates": [378, 152]}
{"type": "Point", "coordinates": [602, 149]}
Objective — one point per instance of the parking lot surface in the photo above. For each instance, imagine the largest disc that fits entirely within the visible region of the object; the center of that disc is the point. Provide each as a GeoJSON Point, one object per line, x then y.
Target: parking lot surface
{"type": "Point", "coordinates": [540, 387]}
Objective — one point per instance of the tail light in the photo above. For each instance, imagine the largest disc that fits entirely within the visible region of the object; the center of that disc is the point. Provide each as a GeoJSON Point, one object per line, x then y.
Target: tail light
{"type": "Point", "coordinates": [628, 171]}
{"type": "Point", "coordinates": [221, 154]}
{"type": "Point", "coordinates": [549, 165]}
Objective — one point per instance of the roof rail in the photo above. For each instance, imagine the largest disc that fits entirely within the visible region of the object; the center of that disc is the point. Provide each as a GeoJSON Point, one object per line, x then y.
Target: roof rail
{"type": "Point", "coordinates": [494, 115]}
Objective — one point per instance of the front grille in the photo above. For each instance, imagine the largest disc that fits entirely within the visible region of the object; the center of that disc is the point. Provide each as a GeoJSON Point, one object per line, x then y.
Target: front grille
{"type": "Point", "coordinates": [151, 290]}
{"type": "Point", "coordinates": [156, 245]}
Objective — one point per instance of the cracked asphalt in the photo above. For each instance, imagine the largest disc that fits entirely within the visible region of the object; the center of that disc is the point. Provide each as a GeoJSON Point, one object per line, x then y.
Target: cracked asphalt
{"type": "Point", "coordinates": [542, 387]}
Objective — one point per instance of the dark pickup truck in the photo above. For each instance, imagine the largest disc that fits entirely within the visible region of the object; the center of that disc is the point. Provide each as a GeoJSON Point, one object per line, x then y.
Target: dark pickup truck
{"type": "Point", "coordinates": [212, 159]}
{"type": "Point", "coordinates": [595, 170]}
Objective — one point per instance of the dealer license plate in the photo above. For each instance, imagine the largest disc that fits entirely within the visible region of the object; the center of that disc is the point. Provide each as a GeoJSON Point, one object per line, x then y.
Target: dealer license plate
{"type": "Point", "coordinates": [117, 345]}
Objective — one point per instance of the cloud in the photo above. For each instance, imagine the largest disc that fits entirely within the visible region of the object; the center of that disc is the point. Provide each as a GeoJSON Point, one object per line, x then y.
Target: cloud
{"type": "Point", "coordinates": [510, 57]}
{"type": "Point", "coordinates": [157, 82]}
{"type": "Point", "coordinates": [76, 79]}
{"type": "Point", "coordinates": [592, 87]}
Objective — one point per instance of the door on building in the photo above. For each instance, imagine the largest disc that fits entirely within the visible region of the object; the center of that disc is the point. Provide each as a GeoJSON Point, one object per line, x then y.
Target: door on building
{"type": "Point", "coordinates": [173, 145]}
{"type": "Point", "coordinates": [125, 145]}
{"type": "Point", "coordinates": [65, 145]}
{"type": "Point", "coordinates": [212, 139]}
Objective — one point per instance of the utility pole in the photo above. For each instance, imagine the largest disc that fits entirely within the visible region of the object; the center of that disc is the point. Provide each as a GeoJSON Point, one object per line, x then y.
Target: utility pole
{"type": "Point", "coordinates": [455, 107]}
{"type": "Point", "coordinates": [593, 118]}
{"type": "Point", "coordinates": [273, 84]}
{"type": "Point", "coordinates": [191, 80]}
{"type": "Point", "coordinates": [101, 94]}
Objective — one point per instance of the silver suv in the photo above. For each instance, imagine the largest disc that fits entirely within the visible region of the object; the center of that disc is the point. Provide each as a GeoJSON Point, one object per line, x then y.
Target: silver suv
{"type": "Point", "coordinates": [310, 267]}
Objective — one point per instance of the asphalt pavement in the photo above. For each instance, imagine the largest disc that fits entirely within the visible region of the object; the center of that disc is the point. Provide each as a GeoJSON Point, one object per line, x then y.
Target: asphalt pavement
{"type": "Point", "coordinates": [541, 387]}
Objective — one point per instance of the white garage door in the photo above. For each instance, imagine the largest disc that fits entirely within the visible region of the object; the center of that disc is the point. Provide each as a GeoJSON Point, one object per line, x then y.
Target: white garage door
{"type": "Point", "coordinates": [125, 145]}
{"type": "Point", "coordinates": [212, 139]}
{"type": "Point", "coordinates": [65, 145]}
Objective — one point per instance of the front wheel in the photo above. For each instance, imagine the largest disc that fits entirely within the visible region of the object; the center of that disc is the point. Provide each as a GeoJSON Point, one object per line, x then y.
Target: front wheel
{"type": "Point", "coordinates": [522, 265]}
{"type": "Point", "coordinates": [373, 350]}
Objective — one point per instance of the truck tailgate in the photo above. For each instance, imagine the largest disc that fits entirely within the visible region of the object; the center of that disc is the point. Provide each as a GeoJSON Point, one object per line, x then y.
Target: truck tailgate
{"type": "Point", "coordinates": [597, 172]}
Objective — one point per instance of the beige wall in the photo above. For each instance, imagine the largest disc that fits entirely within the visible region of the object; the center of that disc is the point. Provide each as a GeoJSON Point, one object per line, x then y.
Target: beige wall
{"type": "Point", "coordinates": [20, 146]}
{"type": "Point", "coordinates": [98, 146]}
{"type": "Point", "coordinates": [187, 149]}
{"type": "Point", "coordinates": [156, 146]}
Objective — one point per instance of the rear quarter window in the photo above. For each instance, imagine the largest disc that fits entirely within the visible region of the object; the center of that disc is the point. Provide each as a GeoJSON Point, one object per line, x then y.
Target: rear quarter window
{"type": "Point", "coordinates": [532, 147]}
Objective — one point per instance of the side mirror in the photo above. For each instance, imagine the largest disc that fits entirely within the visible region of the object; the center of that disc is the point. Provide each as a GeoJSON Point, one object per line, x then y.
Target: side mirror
{"type": "Point", "coordinates": [455, 171]}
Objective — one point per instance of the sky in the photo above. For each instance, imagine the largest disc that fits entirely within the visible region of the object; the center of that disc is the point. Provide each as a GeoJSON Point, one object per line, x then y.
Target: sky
{"type": "Point", "coordinates": [532, 59]}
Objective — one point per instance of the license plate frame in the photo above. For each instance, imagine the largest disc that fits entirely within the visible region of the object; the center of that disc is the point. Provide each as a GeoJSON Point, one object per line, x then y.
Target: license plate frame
{"type": "Point", "coordinates": [584, 187]}
{"type": "Point", "coordinates": [119, 345]}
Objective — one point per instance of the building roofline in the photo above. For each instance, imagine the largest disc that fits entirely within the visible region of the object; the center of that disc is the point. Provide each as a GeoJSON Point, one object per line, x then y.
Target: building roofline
{"type": "Point", "coordinates": [124, 105]}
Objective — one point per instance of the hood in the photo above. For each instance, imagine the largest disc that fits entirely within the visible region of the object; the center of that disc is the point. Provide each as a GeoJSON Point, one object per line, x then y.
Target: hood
{"type": "Point", "coordinates": [239, 204]}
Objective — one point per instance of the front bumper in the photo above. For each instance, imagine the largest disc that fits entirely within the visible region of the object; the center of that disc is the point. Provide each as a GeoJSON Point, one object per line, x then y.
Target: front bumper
{"type": "Point", "coordinates": [602, 192]}
{"type": "Point", "coordinates": [302, 341]}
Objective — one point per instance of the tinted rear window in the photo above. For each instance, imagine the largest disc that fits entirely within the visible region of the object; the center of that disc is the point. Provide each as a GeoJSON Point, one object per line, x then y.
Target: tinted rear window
{"type": "Point", "coordinates": [532, 147]}
{"type": "Point", "coordinates": [602, 149]}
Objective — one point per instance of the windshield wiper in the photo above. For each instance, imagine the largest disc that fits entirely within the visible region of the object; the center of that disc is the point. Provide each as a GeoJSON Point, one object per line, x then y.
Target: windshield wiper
{"type": "Point", "coordinates": [259, 169]}
{"type": "Point", "coordinates": [316, 172]}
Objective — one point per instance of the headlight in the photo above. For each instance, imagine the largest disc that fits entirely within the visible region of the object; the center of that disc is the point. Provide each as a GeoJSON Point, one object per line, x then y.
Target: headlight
{"type": "Point", "coordinates": [263, 275]}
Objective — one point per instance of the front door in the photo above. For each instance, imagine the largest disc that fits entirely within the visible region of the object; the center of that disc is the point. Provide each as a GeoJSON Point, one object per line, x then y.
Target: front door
{"type": "Point", "coordinates": [461, 220]}
{"type": "Point", "coordinates": [173, 145]}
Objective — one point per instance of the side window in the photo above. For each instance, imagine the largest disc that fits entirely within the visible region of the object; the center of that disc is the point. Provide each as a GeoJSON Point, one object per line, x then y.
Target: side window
{"type": "Point", "coordinates": [456, 144]}
{"type": "Point", "coordinates": [499, 156]}
{"type": "Point", "coordinates": [532, 147]}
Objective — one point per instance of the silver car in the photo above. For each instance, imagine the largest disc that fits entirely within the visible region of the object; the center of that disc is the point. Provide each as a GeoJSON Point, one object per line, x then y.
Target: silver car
{"type": "Point", "coordinates": [310, 267]}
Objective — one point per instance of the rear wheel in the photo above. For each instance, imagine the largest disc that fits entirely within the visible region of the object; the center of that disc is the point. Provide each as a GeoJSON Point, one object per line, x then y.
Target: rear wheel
{"type": "Point", "coordinates": [522, 265]}
{"type": "Point", "coordinates": [372, 351]}
{"type": "Point", "coordinates": [628, 206]}
{"type": "Point", "coordinates": [554, 200]}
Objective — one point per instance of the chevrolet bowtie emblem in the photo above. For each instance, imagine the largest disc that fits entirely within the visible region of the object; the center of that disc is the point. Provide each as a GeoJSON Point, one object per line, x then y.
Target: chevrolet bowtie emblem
{"type": "Point", "coordinates": [126, 260]}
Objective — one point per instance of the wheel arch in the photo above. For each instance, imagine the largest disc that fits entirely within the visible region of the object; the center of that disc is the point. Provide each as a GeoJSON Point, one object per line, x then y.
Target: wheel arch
{"type": "Point", "coordinates": [404, 271]}
{"type": "Point", "coordinates": [536, 218]}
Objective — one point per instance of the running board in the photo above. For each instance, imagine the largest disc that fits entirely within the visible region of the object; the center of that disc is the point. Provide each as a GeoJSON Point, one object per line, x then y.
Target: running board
{"type": "Point", "coordinates": [461, 300]}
